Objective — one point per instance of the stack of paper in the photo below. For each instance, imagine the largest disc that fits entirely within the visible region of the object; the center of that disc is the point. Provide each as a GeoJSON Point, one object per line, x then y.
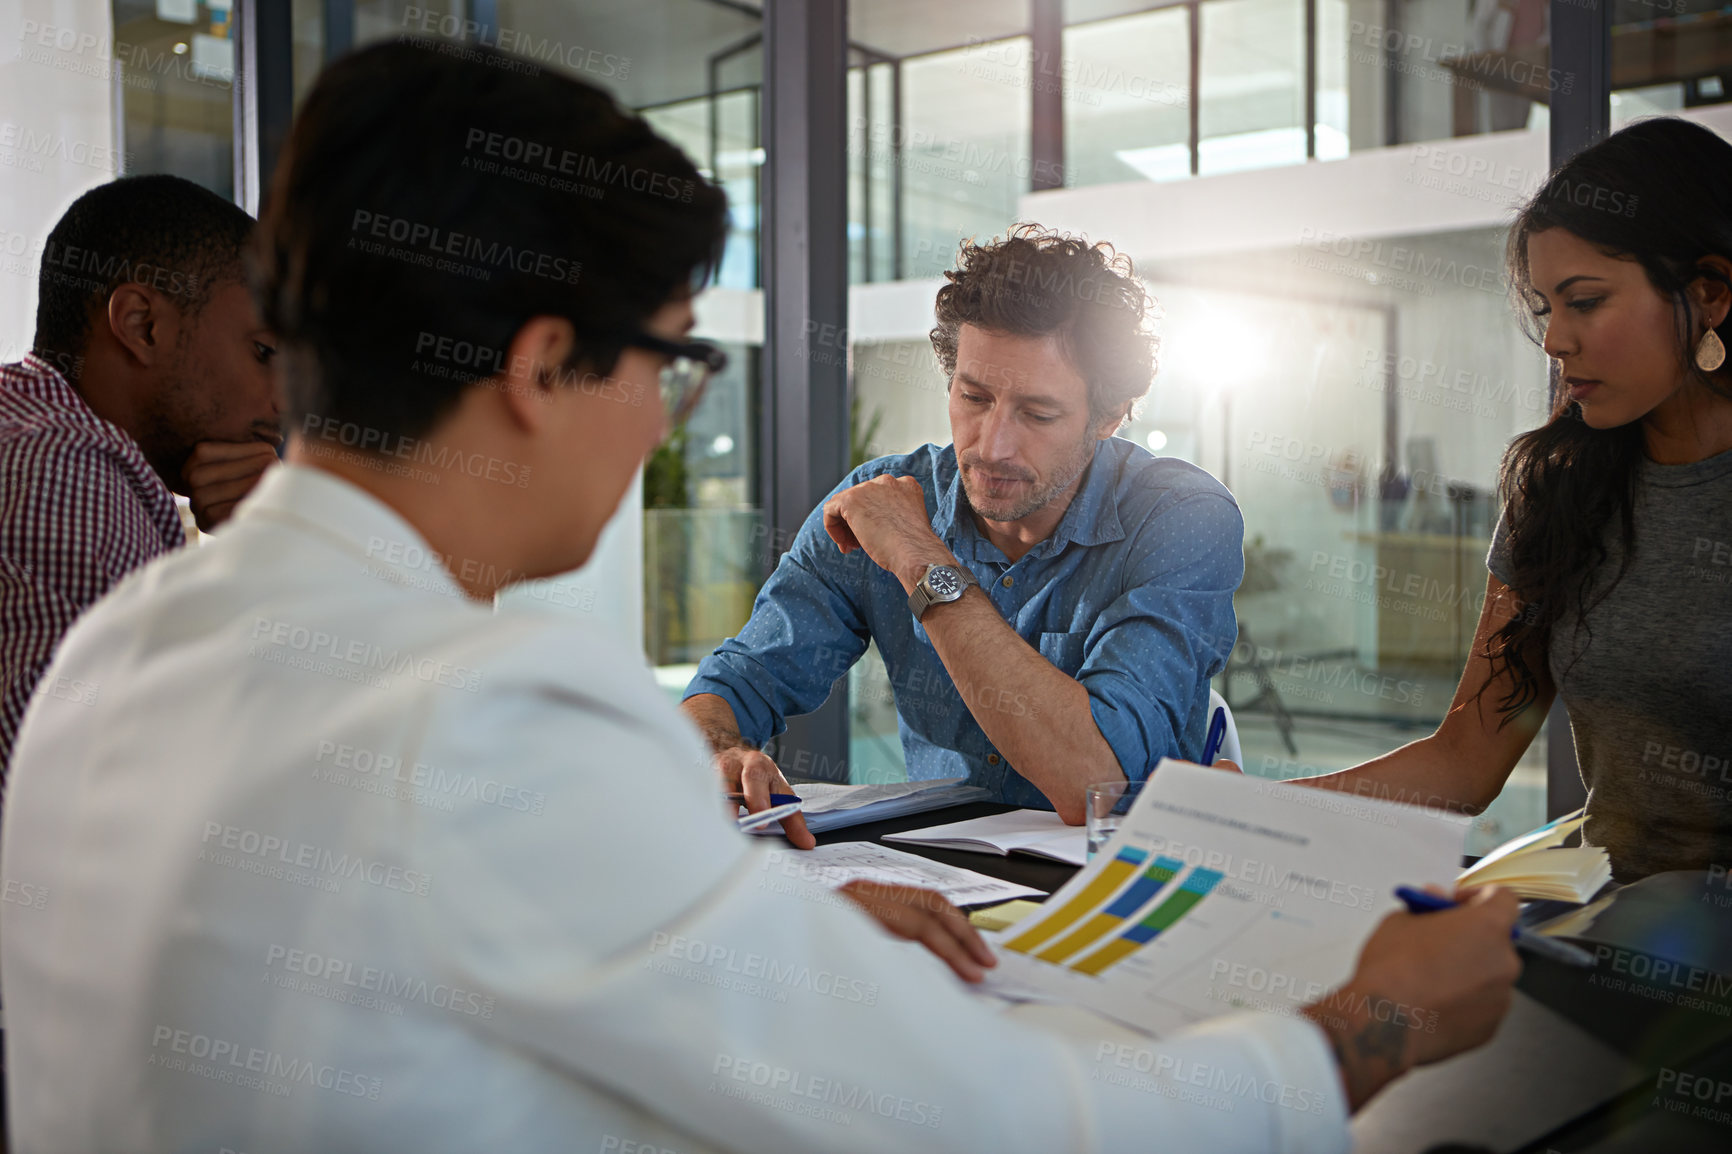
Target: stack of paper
{"type": "Point", "coordinates": [1538, 865]}
{"type": "Point", "coordinates": [831, 806]}
{"type": "Point", "coordinates": [843, 862]}
{"type": "Point", "coordinates": [1031, 831]}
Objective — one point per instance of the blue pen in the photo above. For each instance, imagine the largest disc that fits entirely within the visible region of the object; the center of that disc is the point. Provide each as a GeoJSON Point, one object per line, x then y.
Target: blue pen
{"type": "Point", "coordinates": [781, 805]}
{"type": "Point", "coordinates": [1420, 902]}
{"type": "Point", "coordinates": [775, 798]}
{"type": "Point", "coordinates": [764, 817]}
{"type": "Point", "coordinates": [1217, 735]}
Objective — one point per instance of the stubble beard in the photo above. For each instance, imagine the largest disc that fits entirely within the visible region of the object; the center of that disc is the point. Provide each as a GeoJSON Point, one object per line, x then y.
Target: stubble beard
{"type": "Point", "coordinates": [170, 422]}
{"type": "Point", "coordinates": [1037, 500]}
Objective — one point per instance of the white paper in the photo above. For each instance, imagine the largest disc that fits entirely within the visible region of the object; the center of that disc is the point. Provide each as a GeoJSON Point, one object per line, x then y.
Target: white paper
{"type": "Point", "coordinates": [1019, 829]}
{"type": "Point", "coordinates": [839, 863]}
{"type": "Point", "coordinates": [823, 796]}
{"type": "Point", "coordinates": [1070, 847]}
{"type": "Point", "coordinates": [830, 805]}
{"type": "Point", "coordinates": [1222, 892]}
{"type": "Point", "coordinates": [1553, 833]}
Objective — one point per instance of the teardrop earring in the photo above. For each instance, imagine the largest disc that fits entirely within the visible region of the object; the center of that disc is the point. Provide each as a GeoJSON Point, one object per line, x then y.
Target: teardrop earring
{"type": "Point", "coordinates": [1711, 352]}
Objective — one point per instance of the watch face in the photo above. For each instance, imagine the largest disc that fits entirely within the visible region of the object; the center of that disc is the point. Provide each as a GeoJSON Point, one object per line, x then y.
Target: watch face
{"type": "Point", "coordinates": [944, 581]}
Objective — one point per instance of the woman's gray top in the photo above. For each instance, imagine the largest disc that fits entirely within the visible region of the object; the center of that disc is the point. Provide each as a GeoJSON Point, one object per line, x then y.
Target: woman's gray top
{"type": "Point", "coordinates": [1647, 678]}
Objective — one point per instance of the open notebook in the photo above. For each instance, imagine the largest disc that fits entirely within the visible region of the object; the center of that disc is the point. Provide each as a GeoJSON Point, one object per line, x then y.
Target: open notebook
{"type": "Point", "coordinates": [1031, 831]}
{"type": "Point", "coordinates": [1539, 865]}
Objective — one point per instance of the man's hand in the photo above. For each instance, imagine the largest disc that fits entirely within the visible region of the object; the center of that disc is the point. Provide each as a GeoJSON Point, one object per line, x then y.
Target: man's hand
{"type": "Point", "coordinates": [887, 517]}
{"type": "Point", "coordinates": [753, 773]}
{"type": "Point", "coordinates": [927, 917]}
{"type": "Point", "coordinates": [744, 769]}
{"type": "Point", "coordinates": [1428, 986]}
{"type": "Point", "coordinates": [219, 473]}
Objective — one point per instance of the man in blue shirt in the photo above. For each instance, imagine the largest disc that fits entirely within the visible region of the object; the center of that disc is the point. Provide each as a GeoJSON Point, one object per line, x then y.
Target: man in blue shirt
{"type": "Point", "coordinates": [1050, 600]}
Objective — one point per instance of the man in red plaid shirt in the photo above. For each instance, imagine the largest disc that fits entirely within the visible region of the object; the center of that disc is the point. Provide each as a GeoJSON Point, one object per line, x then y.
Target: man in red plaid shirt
{"type": "Point", "coordinates": [148, 376]}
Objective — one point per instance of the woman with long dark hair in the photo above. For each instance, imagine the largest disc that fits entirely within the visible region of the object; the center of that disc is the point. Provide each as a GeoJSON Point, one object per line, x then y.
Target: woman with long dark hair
{"type": "Point", "coordinates": [1611, 570]}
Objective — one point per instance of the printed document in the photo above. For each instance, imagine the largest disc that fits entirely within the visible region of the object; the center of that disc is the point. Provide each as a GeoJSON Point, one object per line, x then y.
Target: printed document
{"type": "Point", "coordinates": [1222, 892]}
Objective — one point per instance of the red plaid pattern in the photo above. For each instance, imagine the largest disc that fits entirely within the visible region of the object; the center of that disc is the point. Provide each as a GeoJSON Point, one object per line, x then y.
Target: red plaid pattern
{"type": "Point", "coordinates": [80, 508]}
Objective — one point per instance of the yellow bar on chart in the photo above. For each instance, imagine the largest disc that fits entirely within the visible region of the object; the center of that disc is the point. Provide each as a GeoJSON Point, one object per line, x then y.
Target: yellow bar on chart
{"type": "Point", "coordinates": [1114, 951]}
{"type": "Point", "coordinates": [1088, 899]}
{"type": "Point", "coordinates": [1124, 907]}
{"type": "Point", "coordinates": [1096, 927]}
{"type": "Point", "coordinates": [1193, 890]}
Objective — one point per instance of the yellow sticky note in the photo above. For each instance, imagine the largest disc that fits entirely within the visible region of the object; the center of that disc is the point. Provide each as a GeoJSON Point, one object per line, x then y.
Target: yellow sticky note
{"type": "Point", "coordinates": [1002, 916]}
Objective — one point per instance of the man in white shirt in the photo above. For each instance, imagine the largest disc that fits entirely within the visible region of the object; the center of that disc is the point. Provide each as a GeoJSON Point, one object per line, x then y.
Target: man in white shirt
{"type": "Point", "coordinates": [343, 859]}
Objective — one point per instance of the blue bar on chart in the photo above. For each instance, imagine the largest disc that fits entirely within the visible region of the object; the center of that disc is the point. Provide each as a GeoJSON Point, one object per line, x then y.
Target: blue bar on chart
{"type": "Point", "coordinates": [1136, 895]}
{"type": "Point", "coordinates": [1191, 891]}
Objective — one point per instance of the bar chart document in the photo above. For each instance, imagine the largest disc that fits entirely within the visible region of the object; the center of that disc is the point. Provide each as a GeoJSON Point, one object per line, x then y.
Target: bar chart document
{"type": "Point", "coordinates": [1222, 892]}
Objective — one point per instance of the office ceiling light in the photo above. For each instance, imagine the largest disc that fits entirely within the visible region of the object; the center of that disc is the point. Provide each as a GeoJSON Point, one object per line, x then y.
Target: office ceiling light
{"type": "Point", "coordinates": [1161, 162]}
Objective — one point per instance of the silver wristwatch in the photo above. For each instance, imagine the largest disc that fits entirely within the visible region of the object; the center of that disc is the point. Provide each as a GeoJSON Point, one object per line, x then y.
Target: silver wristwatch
{"type": "Point", "coordinates": [939, 583]}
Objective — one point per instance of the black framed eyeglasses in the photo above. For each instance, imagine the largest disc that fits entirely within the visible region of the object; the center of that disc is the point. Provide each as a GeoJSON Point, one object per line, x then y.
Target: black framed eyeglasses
{"type": "Point", "coordinates": [690, 366]}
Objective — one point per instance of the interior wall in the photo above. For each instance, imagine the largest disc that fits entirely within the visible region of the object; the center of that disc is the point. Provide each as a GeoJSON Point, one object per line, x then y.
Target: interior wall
{"type": "Point", "coordinates": [57, 139]}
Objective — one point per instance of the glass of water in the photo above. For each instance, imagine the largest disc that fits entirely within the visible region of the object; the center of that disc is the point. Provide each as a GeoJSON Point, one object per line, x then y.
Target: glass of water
{"type": "Point", "coordinates": [1106, 803]}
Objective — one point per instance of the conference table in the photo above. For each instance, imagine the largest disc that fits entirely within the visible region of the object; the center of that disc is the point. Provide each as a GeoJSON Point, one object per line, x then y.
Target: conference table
{"type": "Point", "coordinates": [1577, 1066]}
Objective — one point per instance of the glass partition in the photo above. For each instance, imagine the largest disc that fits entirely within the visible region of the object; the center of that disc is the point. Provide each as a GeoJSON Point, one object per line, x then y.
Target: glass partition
{"type": "Point", "coordinates": [965, 147]}
{"type": "Point", "coordinates": [1251, 112]}
{"type": "Point", "coordinates": [172, 74]}
{"type": "Point", "coordinates": [1356, 395]}
{"type": "Point", "coordinates": [1128, 113]}
{"type": "Point", "coordinates": [1669, 57]}
{"type": "Point", "coordinates": [1366, 73]}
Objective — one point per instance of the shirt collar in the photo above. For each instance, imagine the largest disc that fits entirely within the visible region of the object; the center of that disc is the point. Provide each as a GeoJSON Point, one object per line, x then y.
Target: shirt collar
{"type": "Point", "coordinates": [37, 365]}
{"type": "Point", "coordinates": [949, 498]}
{"type": "Point", "coordinates": [50, 384]}
{"type": "Point", "coordinates": [1092, 517]}
{"type": "Point", "coordinates": [343, 513]}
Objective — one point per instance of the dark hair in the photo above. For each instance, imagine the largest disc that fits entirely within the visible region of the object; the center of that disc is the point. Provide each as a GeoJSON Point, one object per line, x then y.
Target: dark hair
{"type": "Point", "coordinates": [1660, 193]}
{"type": "Point", "coordinates": [162, 231]}
{"type": "Point", "coordinates": [432, 198]}
{"type": "Point", "coordinates": [1036, 282]}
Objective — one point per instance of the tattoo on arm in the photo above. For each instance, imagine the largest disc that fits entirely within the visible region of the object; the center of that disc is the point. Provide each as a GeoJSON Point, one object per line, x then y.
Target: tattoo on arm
{"type": "Point", "coordinates": [1370, 1053]}
{"type": "Point", "coordinates": [1379, 1043]}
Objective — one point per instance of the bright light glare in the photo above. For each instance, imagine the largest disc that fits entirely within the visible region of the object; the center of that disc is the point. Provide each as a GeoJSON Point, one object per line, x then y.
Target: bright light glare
{"type": "Point", "coordinates": [1216, 349]}
{"type": "Point", "coordinates": [1156, 440]}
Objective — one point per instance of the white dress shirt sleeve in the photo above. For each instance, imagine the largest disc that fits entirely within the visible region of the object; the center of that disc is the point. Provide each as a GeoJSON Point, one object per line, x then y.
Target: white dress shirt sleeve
{"type": "Point", "coordinates": [631, 937]}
